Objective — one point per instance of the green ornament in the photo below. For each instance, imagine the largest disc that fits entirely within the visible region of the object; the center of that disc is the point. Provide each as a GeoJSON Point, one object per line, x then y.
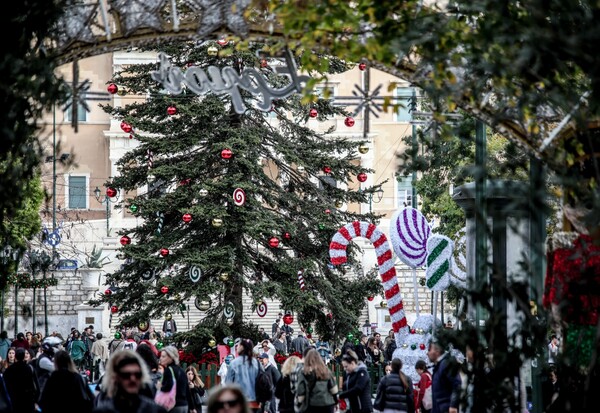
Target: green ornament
{"type": "Point", "coordinates": [230, 342]}
{"type": "Point", "coordinates": [350, 336]}
{"type": "Point", "coordinates": [159, 345]}
{"type": "Point", "coordinates": [356, 342]}
{"type": "Point", "coordinates": [133, 208]}
{"type": "Point", "coordinates": [117, 335]}
{"type": "Point", "coordinates": [309, 330]}
{"type": "Point", "coordinates": [413, 346]}
{"type": "Point", "coordinates": [321, 226]}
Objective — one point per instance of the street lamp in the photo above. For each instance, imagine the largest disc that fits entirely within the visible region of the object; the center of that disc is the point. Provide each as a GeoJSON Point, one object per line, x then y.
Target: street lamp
{"type": "Point", "coordinates": [375, 197]}
{"type": "Point", "coordinates": [366, 328]}
{"type": "Point", "coordinates": [104, 200]}
{"type": "Point", "coordinates": [7, 254]}
{"type": "Point", "coordinates": [39, 261]}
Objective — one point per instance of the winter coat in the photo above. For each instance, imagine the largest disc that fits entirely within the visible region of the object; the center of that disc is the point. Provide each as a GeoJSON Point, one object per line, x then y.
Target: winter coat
{"type": "Point", "coordinates": [21, 386]}
{"type": "Point", "coordinates": [313, 392]}
{"type": "Point", "coordinates": [299, 344]}
{"type": "Point", "coordinates": [77, 350]}
{"type": "Point", "coordinates": [423, 384]}
{"type": "Point", "coordinates": [5, 404]}
{"type": "Point", "coordinates": [129, 404]}
{"type": "Point", "coordinates": [391, 394]}
{"type": "Point", "coordinates": [65, 389]}
{"type": "Point", "coordinates": [244, 374]}
{"type": "Point", "coordinates": [445, 386]}
{"type": "Point", "coordinates": [283, 392]}
{"type": "Point", "coordinates": [357, 389]}
{"type": "Point", "coordinates": [43, 367]}
{"type": "Point", "coordinates": [173, 373]}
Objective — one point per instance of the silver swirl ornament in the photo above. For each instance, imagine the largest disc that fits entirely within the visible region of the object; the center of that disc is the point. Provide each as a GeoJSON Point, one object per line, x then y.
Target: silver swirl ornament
{"type": "Point", "coordinates": [229, 310]}
{"type": "Point", "coordinates": [239, 197]}
{"type": "Point", "coordinates": [148, 274]}
{"type": "Point", "coordinates": [195, 273]}
{"type": "Point", "coordinates": [261, 309]}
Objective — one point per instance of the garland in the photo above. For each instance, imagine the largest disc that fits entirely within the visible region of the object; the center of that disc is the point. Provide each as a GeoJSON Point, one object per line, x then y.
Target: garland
{"type": "Point", "coordinates": [26, 281]}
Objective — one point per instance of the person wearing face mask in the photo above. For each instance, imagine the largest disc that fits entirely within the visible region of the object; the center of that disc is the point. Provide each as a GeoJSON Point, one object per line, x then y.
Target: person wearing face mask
{"type": "Point", "coordinates": [357, 385]}
{"type": "Point", "coordinates": [125, 377]}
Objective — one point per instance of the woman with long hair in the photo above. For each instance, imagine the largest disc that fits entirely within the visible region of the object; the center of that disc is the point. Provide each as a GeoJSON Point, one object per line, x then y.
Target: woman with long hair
{"type": "Point", "coordinates": [357, 385]}
{"type": "Point", "coordinates": [173, 375]}
{"type": "Point", "coordinates": [375, 354]}
{"type": "Point", "coordinates": [147, 354]}
{"type": "Point", "coordinates": [125, 377]}
{"type": "Point", "coordinates": [243, 371]}
{"type": "Point", "coordinates": [229, 398]}
{"type": "Point", "coordinates": [316, 390]}
{"type": "Point", "coordinates": [65, 383]}
{"type": "Point", "coordinates": [395, 391]}
{"type": "Point", "coordinates": [283, 390]}
{"type": "Point", "coordinates": [196, 388]}
{"type": "Point", "coordinates": [10, 359]}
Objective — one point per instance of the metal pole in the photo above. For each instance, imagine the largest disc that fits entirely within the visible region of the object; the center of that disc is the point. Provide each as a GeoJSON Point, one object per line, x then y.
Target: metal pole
{"type": "Point", "coordinates": [107, 214]}
{"type": "Point", "coordinates": [415, 149]}
{"type": "Point", "coordinates": [16, 308]}
{"type": "Point", "coordinates": [481, 248]}
{"type": "Point", "coordinates": [2, 310]}
{"type": "Point", "coordinates": [33, 320]}
{"type": "Point", "coordinates": [45, 308]}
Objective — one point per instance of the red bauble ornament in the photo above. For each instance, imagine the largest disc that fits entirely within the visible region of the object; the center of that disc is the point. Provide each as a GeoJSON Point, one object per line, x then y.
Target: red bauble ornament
{"type": "Point", "coordinates": [330, 316]}
{"type": "Point", "coordinates": [222, 42]}
{"type": "Point", "coordinates": [226, 153]}
{"type": "Point", "coordinates": [288, 319]}
{"type": "Point", "coordinates": [370, 298]}
{"type": "Point", "coordinates": [313, 113]}
{"type": "Point", "coordinates": [309, 336]}
{"type": "Point", "coordinates": [264, 63]}
{"type": "Point", "coordinates": [362, 177]}
{"type": "Point", "coordinates": [362, 65]}
{"type": "Point", "coordinates": [164, 252]}
{"type": "Point", "coordinates": [125, 240]}
{"type": "Point", "coordinates": [349, 121]}
{"type": "Point", "coordinates": [412, 331]}
{"type": "Point", "coordinates": [328, 211]}
{"type": "Point", "coordinates": [287, 235]}
{"type": "Point", "coordinates": [126, 127]}
{"type": "Point", "coordinates": [274, 242]}
{"type": "Point", "coordinates": [164, 289]}
{"type": "Point", "coordinates": [112, 88]}
{"type": "Point", "coordinates": [108, 291]}
{"type": "Point", "coordinates": [185, 181]}
{"type": "Point", "coordinates": [171, 110]}
{"type": "Point", "coordinates": [111, 192]}
{"type": "Point", "coordinates": [114, 309]}
{"type": "Point", "coordinates": [327, 169]}
{"type": "Point", "coordinates": [186, 218]}
{"type": "Point", "coordinates": [422, 346]}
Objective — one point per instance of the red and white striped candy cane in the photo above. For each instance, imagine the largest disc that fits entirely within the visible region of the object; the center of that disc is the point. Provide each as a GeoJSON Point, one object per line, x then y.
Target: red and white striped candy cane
{"type": "Point", "coordinates": [301, 279]}
{"type": "Point", "coordinates": [385, 261]}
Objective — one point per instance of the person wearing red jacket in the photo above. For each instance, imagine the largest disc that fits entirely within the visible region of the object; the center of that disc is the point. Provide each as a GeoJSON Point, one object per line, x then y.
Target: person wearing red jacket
{"type": "Point", "coordinates": [423, 384]}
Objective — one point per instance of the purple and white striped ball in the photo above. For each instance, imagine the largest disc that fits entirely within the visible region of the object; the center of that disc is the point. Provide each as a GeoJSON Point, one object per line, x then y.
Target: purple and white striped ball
{"type": "Point", "coordinates": [409, 231]}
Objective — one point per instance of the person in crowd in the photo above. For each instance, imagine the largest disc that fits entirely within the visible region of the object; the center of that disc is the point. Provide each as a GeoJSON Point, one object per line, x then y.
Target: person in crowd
{"type": "Point", "coordinates": [9, 360]}
{"type": "Point", "coordinates": [275, 327]}
{"type": "Point", "coordinates": [265, 346]}
{"type": "Point", "coordinates": [378, 340]}
{"type": "Point", "coordinates": [375, 355]}
{"type": "Point", "coordinates": [389, 339]}
{"type": "Point", "coordinates": [146, 353]}
{"type": "Point", "coordinates": [289, 331]}
{"type": "Point", "coordinates": [20, 342]}
{"type": "Point", "coordinates": [388, 369]}
{"type": "Point", "coordinates": [77, 350]}
{"type": "Point", "coordinates": [324, 350]}
{"type": "Point", "coordinates": [100, 353]}
{"type": "Point", "coordinates": [4, 345]}
{"type": "Point", "coordinates": [34, 343]}
{"type": "Point", "coordinates": [281, 343]}
{"type": "Point", "coordinates": [551, 391]}
{"type": "Point", "coordinates": [114, 344]}
{"type": "Point", "coordinates": [300, 343]}
{"type": "Point", "coordinates": [360, 349]}
{"type": "Point", "coordinates": [263, 334]}
{"type": "Point", "coordinates": [243, 371]}
{"type": "Point", "coordinates": [125, 376]}
{"type": "Point", "coordinates": [196, 389]}
{"type": "Point", "coordinates": [553, 349]}
{"type": "Point", "coordinates": [357, 385]}
{"type": "Point", "coordinates": [296, 372]}
{"type": "Point", "coordinates": [275, 377]}
{"type": "Point", "coordinates": [5, 403]}
{"type": "Point", "coordinates": [173, 375]}
{"type": "Point", "coordinates": [66, 384]}
{"type": "Point", "coordinates": [229, 398]}
{"type": "Point", "coordinates": [130, 343]}
{"type": "Point", "coordinates": [169, 326]}
{"type": "Point", "coordinates": [43, 365]}
{"type": "Point", "coordinates": [395, 391]}
{"type": "Point", "coordinates": [316, 390]}
{"type": "Point", "coordinates": [283, 390]}
{"type": "Point", "coordinates": [29, 355]}
{"type": "Point", "coordinates": [423, 384]}
{"type": "Point", "coordinates": [446, 383]}
{"type": "Point", "coordinates": [21, 384]}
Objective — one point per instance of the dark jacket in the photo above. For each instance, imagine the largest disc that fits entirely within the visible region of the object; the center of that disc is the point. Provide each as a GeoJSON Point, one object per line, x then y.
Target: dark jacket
{"type": "Point", "coordinates": [135, 404]}
{"type": "Point", "coordinates": [283, 391]}
{"type": "Point", "coordinates": [361, 351]}
{"type": "Point", "coordinates": [317, 393]}
{"type": "Point", "coordinates": [445, 386]}
{"type": "Point", "coordinates": [21, 386]}
{"type": "Point", "coordinates": [357, 389]}
{"type": "Point", "coordinates": [391, 394]}
{"type": "Point", "coordinates": [65, 389]}
{"type": "Point", "coordinates": [182, 395]}
{"type": "Point", "coordinates": [5, 404]}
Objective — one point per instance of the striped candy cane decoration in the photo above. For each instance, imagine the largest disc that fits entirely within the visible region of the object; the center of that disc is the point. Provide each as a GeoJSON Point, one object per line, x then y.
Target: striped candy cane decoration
{"type": "Point", "coordinates": [150, 158]}
{"type": "Point", "coordinates": [161, 220]}
{"type": "Point", "coordinates": [385, 261]}
{"type": "Point", "coordinates": [301, 280]}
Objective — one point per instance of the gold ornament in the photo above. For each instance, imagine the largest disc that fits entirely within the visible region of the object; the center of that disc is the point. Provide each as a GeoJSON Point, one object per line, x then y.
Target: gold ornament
{"type": "Point", "coordinates": [364, 148]}
{"type": "Point", "coordinates": [121, 91]}
{"type": "Point", "coordinates": [337, 352]}
{"type": "Point", "coordinates": [258, 301]}
{"type": "Point", "coordinates": [217, 222]}
{"type": "Point", "coordinates": [203, 305]}
{"type": "Point", "coordinates": [224, 276]}
{"type": "Point", "coordinates": [203, 192]}
{"type": "Point", "coordinates": [212, 51]}
{"type": "Point", "coordinates": [383, 304]}
{"type": "Point", "coordinates": [177, 297]}
{"type": "Point", "coordinates": [212, 343]}
{"type": "Point", "coordinates": [339, 204]}
{"type": "Point", "coordinates": [301, 169]}
{"type": "Point", "coordinates": [229, 321]}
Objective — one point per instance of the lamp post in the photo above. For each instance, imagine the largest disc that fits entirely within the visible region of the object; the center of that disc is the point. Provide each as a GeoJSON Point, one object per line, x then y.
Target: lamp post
{"type": "Point", "coordinates": [104, 200]}
{"type": "Point", "coordinates": [375, 197]}
{"type": "Point", "coordinates": [7, 254]}
{"type": "Point", "coordinates": [39, 261]}
{"type": "Point", "coordinates": [366, 328]}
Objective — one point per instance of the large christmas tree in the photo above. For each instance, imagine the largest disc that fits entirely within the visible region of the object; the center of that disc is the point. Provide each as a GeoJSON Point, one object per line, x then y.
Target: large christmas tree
{"type": "Point", "coordinates": [197, 161]}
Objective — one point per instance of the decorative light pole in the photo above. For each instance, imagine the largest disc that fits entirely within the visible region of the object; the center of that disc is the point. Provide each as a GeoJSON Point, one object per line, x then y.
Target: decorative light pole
{"type": "Point", "coordinates": [106, 199]}
{"type": "Point", "coordinates": [375, 197]}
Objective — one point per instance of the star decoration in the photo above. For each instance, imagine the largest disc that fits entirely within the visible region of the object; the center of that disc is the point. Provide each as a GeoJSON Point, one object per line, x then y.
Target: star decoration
{"type": "Point", "coordinates": [219, 13]}
{"type": "Point", "coordinates": [135, 14]}
{"type": "Point", "coordinates": [76, 25]}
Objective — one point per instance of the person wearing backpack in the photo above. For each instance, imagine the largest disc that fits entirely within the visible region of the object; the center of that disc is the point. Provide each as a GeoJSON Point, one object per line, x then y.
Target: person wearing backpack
{"type": "Point", "coordinates": [424, 401]}
{"type": "Point", "coordinates": [316, 391]}
{"type": "Point", "coordinates": [395, 391]}
{"type": "Point", "coordinates": [77, 350]}
{"type": "Point", "coordinates": [244, 371]}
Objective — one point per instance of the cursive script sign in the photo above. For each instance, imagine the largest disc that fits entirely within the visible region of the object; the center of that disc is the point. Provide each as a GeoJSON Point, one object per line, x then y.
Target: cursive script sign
{"type": "Point", "coordinates": [228, 81]}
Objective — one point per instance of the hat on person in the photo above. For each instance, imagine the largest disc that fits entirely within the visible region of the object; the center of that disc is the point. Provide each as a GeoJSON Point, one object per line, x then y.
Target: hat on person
{"type": "Point", "coordinates": [264, 356]}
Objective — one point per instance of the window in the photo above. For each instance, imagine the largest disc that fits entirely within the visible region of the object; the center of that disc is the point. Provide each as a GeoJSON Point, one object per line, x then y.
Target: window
{"type": "Point", "coordinates": [403, 100]}
{"type": "Point", "coordinates": [404, 191]}
{"type": "Point", "coordinates": [78, 192]}
{"type": "Point", "coordinates": [81, 110]}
